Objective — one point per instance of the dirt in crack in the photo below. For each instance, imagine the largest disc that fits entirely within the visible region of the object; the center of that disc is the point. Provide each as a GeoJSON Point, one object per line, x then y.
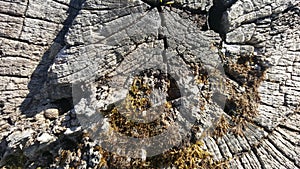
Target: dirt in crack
{"type": "Point", "coordinates": [246, 74]}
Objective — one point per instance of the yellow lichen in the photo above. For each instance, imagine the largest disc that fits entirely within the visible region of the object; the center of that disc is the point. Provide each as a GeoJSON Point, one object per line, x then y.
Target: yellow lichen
{"type": "Point", "coordinates": [222, 127]}
{"type": "Point", "coordinates": [192, 156]}
{"type": "Point", "coordinates": [137, 99]}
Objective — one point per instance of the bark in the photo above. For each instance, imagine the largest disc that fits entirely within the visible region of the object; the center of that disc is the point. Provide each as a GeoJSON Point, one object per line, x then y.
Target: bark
{"type": "Point", "coordinates": [233, 69]}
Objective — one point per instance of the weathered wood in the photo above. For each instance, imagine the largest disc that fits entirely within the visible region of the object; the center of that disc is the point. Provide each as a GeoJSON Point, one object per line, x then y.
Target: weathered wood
{"type": "Point", "coordinates": [236, 59]}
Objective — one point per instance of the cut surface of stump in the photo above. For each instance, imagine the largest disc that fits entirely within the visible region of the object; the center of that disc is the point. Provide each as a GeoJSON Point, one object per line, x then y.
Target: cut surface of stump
{"type": "Point", "coordinates": [150, 84]}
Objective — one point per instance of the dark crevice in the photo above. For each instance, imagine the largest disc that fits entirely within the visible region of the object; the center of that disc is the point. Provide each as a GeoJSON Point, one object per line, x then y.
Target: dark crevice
{"type": "Point", "coordinates": [270, 105]}
{"type": "Point", "coordinates": [288, 128]}
{"type": "Point", "coordinates": [23, 23]}
{"type": "Point", "coordinates": [294, 8]}
{"type": "Point", "coordinates": [165, 40]}
{"type": "Point", "coordinates": [234, 76]}
{"type": "Point", "coordinates": [1, 104]}
{"type": "Point", "coordinates": [230, 107]}
{"type": "Point", "coordinates": [285, 137]}
{"type": "Point", "coordinates": [254, 149]}
{"type": "Point", "coordinates": [217, 21]}
{"type": "Point", "coordinates": [156, 3]}
{"type": "Point", "coordinates": [177, 5]}
{"type": "Point", "coordinates": [9, 13]}
{"type": "Point", "coordinates": [64, 104]}
{"type": "Point", "coordinates": [266, 129]}
{"type": "Point", "coordinates": [16, 76]}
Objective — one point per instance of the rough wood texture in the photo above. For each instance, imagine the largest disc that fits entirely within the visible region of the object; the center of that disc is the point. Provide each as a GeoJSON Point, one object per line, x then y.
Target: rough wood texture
{"type": "Point", "coordinates": [50, 48]}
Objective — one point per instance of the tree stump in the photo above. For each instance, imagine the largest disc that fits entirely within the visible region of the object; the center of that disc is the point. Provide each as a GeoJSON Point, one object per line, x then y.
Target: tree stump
{"type": "Point", "coordinates": [150, 84]}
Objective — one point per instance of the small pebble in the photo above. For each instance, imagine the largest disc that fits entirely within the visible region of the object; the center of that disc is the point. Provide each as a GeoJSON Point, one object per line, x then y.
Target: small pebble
{"type": "Point", "coordinates": [45, 137]}
{"type": "Point", "coordinates": [51, 114]}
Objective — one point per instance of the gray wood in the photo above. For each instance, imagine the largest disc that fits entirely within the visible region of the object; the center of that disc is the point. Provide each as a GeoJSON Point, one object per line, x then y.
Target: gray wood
{"type": "Point", "coordinates": [50, 48]}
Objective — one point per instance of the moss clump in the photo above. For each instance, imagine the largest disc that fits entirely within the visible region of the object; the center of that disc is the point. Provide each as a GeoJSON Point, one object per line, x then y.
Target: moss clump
{"type": "Point", "coordinates": [121, 124]}
{"type": "Point", "coordinates": [245, 74]}
{"type": "Point", "coordinates": [137, 100]}
{"type": "Point", "coordinates": [192, 156]}
{"type": "Point", "coordinates": [133, 117]}
{"type": "Point", "coordinates": [222, 127]}
{"type": "Point", "coordinates": [123, 119]}
{"type": "Point", "coordinates": [242, 108]}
